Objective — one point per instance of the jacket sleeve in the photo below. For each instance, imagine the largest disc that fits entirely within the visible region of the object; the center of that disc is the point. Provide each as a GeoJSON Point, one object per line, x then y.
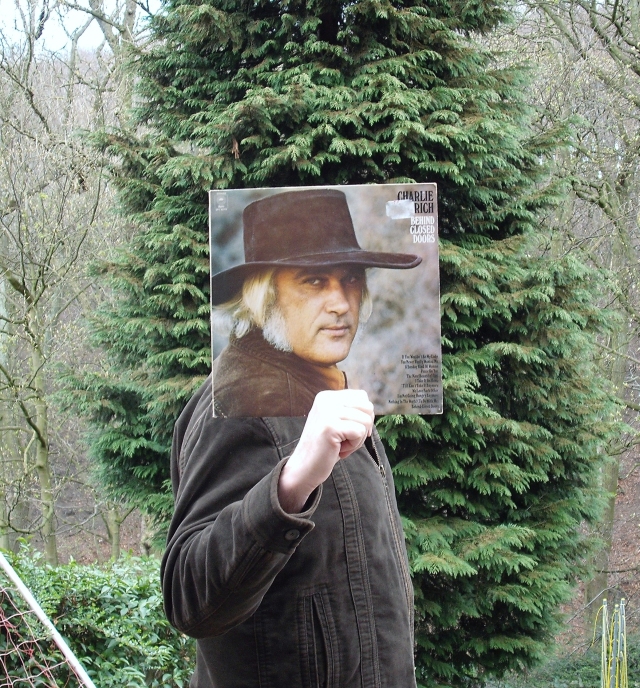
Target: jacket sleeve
{"type": "Point", "coordinates": [229, 537]}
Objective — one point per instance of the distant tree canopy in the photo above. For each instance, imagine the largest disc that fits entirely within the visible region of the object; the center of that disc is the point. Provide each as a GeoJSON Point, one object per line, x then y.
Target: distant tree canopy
{"type": "Point", "coordinates": [235, 94]}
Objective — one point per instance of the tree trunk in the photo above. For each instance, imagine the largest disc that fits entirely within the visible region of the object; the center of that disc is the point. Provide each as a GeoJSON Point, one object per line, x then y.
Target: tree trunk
{"type": "Point", "coordinates": [146, 535]}
{"type": "Point", "coordinates": [6, 435]}
{"type": "Point", "coordinates": [596, 587]}
{"type": "Point", "coordinates": [114, 523]}
{"type": "Point", "coordinates": [43, 466]}
{"type": "Point", "coordinates": [4, 527]}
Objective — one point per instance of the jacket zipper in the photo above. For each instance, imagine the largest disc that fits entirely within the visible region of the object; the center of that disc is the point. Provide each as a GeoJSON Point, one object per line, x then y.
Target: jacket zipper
{"type": "Point", "coordinates": [408, 586]}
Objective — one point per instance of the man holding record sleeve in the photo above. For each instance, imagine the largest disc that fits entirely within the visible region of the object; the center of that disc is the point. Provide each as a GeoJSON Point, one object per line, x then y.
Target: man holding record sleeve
{"type": "Point", "coordinates": [285, 556]}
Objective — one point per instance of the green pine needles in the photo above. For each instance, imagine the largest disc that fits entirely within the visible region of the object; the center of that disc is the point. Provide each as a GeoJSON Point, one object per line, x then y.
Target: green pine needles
{"type": "Point", "coordinates": [244, 94]}
{"type": "Point", "coordinates": [493, 491]}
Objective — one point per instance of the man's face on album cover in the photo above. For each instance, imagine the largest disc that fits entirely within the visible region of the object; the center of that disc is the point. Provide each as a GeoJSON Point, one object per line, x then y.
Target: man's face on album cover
{"type": "Point", "coordinates": [320, 308]}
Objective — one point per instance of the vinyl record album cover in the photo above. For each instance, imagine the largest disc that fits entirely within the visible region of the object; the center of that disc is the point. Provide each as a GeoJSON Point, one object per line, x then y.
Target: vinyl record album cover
{"type": "Point", "coordinates": [330, 287]}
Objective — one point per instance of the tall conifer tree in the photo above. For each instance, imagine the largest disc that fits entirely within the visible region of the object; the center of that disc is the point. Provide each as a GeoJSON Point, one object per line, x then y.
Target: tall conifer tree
{"type": "Point", "coordinates": [311, 92]}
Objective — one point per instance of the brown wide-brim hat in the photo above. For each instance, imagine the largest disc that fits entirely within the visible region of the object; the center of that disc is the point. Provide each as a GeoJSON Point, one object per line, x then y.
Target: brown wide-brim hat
{"type": "Point", "coordinates": [311, 228]}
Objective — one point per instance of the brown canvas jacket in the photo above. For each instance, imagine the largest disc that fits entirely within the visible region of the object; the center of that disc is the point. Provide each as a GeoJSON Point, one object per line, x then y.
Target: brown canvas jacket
{"type": "Point", "coordinates": [279, 600]}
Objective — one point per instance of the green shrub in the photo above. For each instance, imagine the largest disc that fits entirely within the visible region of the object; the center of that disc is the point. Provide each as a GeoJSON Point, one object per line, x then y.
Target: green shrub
{"type": "Point", "coordinates": [113, 619]}
{"type": "Point", "coordinates": [576, 670]}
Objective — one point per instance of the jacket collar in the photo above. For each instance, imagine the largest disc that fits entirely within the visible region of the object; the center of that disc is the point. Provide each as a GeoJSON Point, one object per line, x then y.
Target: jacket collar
{"type": "Point", "coordinates": [254, 344]}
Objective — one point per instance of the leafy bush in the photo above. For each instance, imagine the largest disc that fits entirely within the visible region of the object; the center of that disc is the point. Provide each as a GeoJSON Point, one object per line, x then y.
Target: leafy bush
{"type": "Point", "coordinates": [113, 619]}
{"type": "Point", "coordinates": [577, 670]}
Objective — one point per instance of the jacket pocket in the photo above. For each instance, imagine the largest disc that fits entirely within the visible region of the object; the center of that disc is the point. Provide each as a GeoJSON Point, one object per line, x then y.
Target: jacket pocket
{"type": "Point", "coordinates": [317, 640]}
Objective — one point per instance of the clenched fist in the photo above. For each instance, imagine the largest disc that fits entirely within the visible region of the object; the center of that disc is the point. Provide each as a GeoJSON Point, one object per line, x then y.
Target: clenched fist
{"type": "Point", "coordinates": [339, 422]}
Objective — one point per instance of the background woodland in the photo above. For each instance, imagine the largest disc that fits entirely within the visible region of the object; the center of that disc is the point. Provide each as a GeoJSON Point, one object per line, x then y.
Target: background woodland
{"type": "Point", "coordinates": [75, 123]}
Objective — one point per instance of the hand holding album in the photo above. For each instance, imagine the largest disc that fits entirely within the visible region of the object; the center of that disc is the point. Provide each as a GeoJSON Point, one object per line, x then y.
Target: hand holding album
{"type": "Point", "coordinates": [338, 424]}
